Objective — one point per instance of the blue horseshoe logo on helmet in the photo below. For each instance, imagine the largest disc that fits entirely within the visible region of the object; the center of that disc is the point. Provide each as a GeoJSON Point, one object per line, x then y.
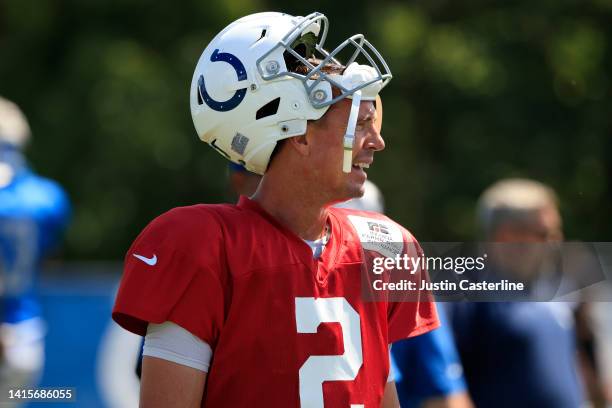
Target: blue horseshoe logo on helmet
{"type": "Point", "coordinates": [231, 103]}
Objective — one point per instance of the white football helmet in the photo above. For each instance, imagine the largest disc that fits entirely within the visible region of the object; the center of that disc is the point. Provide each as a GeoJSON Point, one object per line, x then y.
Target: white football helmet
{"type": "Point", "coordinates": [246, 94]}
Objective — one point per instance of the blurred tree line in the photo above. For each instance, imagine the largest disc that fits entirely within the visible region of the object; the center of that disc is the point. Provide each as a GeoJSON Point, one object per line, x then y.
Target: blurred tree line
{"type": "Point", "coordinates": [482, 90]}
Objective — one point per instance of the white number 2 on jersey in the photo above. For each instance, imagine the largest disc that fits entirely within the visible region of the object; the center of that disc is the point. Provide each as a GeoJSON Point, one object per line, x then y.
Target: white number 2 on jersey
{"type": "Point", "coordinates": [309, 314]}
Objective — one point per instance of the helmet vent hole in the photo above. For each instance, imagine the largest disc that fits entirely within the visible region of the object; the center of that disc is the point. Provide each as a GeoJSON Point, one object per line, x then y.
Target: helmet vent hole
{"type": "Point", "coordinates": [268, 109]}
{"type": "Point", "coordinates": [262, 36]}
{"type": "Point", "coordinates": [200, 82]}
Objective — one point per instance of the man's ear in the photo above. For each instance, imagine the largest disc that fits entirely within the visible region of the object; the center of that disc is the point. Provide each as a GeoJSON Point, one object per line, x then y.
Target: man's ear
{"type": "Point", "coordinates": [300, 144]}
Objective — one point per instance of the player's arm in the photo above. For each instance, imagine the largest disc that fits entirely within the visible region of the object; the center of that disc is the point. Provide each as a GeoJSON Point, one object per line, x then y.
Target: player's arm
{"type": "Point", "coordinates": [166, 277]}
{"type": "Point", "coordinates": [166, 384]}
{"type": "Point", "coordinates": [390, 398]}
{"type": "Point", "coordinates": [174, 367]}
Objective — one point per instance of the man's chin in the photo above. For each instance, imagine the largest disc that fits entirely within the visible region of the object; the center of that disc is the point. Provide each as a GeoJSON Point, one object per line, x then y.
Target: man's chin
{"type": "Point", "coordinates": [352, 191]}
{"type": "Point", "coordinates": [356, 190]}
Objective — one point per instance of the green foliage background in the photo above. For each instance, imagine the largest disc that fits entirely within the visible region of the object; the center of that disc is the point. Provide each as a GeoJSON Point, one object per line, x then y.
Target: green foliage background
{"type": "Point", "coordinates": [482, 90]}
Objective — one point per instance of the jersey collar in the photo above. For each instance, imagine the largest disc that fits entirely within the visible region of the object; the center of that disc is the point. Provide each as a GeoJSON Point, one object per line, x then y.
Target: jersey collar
{"type": "Point", "coordinates": [330, 254]}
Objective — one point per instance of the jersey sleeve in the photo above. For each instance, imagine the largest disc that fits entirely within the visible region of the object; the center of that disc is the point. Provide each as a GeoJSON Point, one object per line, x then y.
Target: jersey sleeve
{"type": "Point", "coordinates": [57, 208]}
{"type": "Point", "coordinates": [47, 203]}
{"type": "Point", "coordinates": [417, 313]}
{"type": "Point", "coordinates": [175, 271]}
{"type": "Point", "coordinates": [428, 366]}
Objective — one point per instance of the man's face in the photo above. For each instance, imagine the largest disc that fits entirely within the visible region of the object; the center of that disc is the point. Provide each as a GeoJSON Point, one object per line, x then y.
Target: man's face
{"type": "Point", "coordinates": [543, 226]}
{"type": "Point", "coordinates": [327, 138]}
{"type": "Point", "coordinates": [526, 250]}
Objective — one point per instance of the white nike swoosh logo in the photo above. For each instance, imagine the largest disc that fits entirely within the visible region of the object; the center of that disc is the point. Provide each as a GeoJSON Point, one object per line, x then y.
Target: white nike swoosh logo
{"type": "Point", "coordinates": [148, 261]}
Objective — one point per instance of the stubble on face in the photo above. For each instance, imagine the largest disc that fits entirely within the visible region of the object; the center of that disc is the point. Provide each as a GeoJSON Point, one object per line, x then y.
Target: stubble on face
{"type": "Point", "coordinates": [328, 146]}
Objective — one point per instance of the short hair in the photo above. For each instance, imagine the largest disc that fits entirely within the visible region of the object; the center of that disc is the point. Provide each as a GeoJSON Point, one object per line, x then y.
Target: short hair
{"type": "Point", "coordinates": [512, 200]}
{"type": "Point", "coordinates": [14, 127]}
{"type": "Point", "coordinates": [329, 68]}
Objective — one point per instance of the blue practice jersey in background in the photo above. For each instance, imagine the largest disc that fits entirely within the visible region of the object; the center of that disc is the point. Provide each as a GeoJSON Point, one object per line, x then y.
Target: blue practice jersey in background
{"type": "Point", "coordinates": [33, 212]}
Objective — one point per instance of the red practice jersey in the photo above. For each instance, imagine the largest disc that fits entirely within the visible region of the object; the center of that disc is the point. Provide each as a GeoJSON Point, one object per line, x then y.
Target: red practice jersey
{"type": "Point", "coordinates": [286, 330]}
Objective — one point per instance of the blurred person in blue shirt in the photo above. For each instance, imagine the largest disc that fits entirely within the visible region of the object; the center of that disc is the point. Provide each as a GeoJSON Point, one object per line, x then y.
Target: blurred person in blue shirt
{"type": "Point", "coordinates": [519, 354]}
{"type": "Point", "coordinates": [33, 213]}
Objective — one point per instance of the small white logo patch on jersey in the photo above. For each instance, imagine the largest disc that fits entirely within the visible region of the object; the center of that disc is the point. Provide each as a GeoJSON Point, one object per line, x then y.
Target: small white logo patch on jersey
{"type": "Point", "coordinates": [148, 261]}
{"type": "Point", "coordinates": [377, 235]}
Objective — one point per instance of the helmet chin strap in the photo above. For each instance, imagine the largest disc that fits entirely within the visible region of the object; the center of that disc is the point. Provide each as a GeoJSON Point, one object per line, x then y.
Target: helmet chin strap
{"type": "Point", "coordinates": [349, 136]}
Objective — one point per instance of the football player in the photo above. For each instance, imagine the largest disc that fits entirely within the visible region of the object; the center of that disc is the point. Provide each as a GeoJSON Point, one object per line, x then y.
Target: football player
{"type": "Point", "coordinates": [260, 304]}
{"type": "Point", "coordinates": [33, 213]}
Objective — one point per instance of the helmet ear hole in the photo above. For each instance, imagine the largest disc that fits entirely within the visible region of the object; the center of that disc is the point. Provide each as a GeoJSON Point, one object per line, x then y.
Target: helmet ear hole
{"type": "Point", "coordinates": [268, 109]}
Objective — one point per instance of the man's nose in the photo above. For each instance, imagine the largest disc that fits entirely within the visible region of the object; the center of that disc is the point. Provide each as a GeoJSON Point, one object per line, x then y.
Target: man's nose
{"type": "Point", "coordinates": [374, 140]}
